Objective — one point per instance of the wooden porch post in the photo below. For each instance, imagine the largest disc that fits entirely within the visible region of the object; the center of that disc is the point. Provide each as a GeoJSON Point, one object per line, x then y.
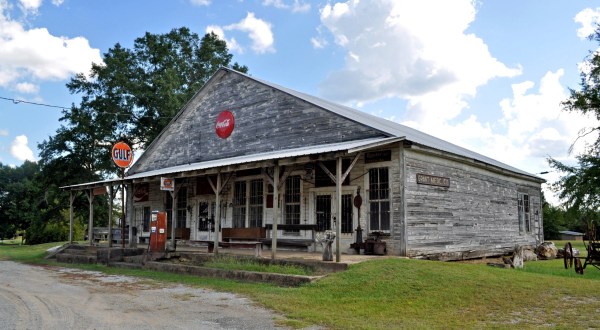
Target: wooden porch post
{"type": "Point", "coordinates": [90, 197]}
{"type": "Point", "coordinates": [110, 213]}
{"type": "Point", "coordinates": [173, 216]}
{"type": "Point", "coordinates": [218, 214]}
{"type": "Point", "coordinates": [275, 211]}
{"type": "Point", "coordinates": [71, 200]}
{"type": "Point", "coordinates": [338, 193]}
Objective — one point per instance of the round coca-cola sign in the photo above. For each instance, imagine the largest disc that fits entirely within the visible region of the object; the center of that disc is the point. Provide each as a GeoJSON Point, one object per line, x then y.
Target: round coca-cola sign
{"type": "Point", "coordinates": [224, 125]}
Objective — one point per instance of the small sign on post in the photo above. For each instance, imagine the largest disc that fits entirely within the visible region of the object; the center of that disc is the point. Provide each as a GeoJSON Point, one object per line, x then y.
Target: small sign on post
{"type": "Point", "coordinates": [167, 184]}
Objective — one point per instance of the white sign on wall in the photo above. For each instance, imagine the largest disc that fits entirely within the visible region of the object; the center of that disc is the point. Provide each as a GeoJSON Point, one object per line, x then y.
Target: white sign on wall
{"type": "Point", "coordinates": [167, 184]}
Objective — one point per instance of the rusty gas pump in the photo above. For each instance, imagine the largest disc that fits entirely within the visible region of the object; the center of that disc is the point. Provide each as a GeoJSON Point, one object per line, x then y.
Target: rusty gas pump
{"type": "Point", "coordinates": [158, 231]}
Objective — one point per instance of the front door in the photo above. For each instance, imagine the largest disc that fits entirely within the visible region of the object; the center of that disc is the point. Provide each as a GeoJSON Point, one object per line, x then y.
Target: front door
{"type": "Point", "coordinates": [324, 211]}
{"type": "Point", "coordinates": [204, 220]}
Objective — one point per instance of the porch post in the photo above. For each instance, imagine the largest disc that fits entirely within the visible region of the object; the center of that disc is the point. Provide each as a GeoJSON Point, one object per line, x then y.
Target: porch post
{"type": "Point", "coordinates": [275, 210]}
{"type": "Point", "coordinates": [90, 197]}
{"type": "Point", "coordinates": [129, 213]}
{"type": "Point", "coordinates": [173, 216]}
{"type": "Point", "coordinates": [217, 214]}
{"type": "Point", "coordinates": [338, 193]}
{"type": "Point", "coordinates": [110, 213]}
{"type": "Point", "coordinates": [71, 200]}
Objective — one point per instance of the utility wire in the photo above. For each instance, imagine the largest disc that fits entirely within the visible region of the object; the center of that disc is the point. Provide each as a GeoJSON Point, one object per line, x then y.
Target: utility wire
{"type": "Point", "coordinates": [16, 101]}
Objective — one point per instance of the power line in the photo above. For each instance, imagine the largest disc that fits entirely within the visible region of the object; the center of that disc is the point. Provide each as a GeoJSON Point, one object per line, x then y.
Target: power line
{"type": "Point", "coordinates": [16, 101]}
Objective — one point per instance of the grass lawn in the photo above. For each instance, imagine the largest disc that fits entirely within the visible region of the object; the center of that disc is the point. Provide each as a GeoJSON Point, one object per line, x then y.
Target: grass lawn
{"type": "Point", "coordinates": [391, 293]}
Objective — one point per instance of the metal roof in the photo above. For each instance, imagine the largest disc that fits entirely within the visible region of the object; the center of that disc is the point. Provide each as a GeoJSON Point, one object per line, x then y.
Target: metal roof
{"type": "Point", "coordinates": [392, 128]}
{"type": "Point", "coordinates": [573, 233]}
{"type": "Point", "coordinates": [91, 185]}
{"type": "Point", "coordinates": [279, 154]}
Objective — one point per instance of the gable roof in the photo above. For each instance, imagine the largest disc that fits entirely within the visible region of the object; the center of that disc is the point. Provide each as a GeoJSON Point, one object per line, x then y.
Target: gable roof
{"type": "Point", "coordinates": [394, 129]}
{"type": "Point", "coordinates": [379, 126]}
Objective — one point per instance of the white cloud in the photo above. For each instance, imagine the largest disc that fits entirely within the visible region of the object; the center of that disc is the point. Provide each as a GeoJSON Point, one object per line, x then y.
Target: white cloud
{"type": "Point", "coordinates": [232, 44]}
{"type": "Point", "coordinates": [297, 6]}
{"type": "Point", "coordinates": [30, 5]}
{"type": "Point", "coordinates": [404, 55]}
{"type": "Point", "coordinates": [318, 42]}
{"type": "Point", "coordinates": [35, 54]}
{"type": "Point", "coordinates": [200, 2]}
{"type": "Point", "coordinates": [589, 19]}
{"type": "Point", "coordinates": [258, 30]}
{"type": "Point", "coordinates": [3, 132]}
{"type": "Point", "coordinates": [27, 88]}
{"type": "Point", "coordinates": [57, 2]}
{"type": "Point", "coordinates": [20, 150]}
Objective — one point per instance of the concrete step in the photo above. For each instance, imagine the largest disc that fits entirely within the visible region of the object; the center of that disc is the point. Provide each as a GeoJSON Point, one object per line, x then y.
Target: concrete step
{"type": "Point", "coordinates": [76, 258]}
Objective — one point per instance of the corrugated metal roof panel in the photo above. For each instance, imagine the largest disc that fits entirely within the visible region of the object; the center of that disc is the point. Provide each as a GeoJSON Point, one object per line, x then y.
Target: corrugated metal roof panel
{"type": "Point", "coordinates": [310, 150]}
{"type": "Point", "coordinates": [394, 129]}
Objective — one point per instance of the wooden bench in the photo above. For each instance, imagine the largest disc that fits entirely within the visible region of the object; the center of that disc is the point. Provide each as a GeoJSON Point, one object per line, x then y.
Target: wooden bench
{"type": "Point", "coordinates": [257, 246]}
{"type": "Point", "coordinates": [243, 234]}
{"type": "Point", "coordinates": [294, 242]}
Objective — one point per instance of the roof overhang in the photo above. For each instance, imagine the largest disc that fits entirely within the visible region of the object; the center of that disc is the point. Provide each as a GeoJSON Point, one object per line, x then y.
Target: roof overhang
{"type": "Point", "coordinates": [92, 185]}
{"type": "Point", "coordinates": [349, 147]}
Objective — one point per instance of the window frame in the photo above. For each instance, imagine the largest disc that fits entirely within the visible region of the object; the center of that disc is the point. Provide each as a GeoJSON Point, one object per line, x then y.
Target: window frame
{"type": "Point", "coordinates": [524, 213]}
{"type": "Point", "coordinates": [249, 203]}
{"type": "Point", "coordinates": [376, 199]}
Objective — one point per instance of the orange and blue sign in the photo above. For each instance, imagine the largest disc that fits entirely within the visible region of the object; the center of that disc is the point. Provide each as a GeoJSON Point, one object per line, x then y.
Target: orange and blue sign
{"type": "Point", "coordinates": [122, 154]}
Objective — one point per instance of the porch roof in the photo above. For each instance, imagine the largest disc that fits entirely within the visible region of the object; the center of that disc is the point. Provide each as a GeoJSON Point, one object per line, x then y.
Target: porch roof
{"type": "Point", "coordinates": [349, 146]}
{"type": "Point", "coordinates": [92, 185]}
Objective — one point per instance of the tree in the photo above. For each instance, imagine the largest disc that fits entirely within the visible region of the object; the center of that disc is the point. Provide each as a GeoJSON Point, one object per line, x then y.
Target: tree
{"type": "Point", "coordinates": [579, 185]}
{"type": "Point", "coordinates": [21, 198]}
{"type": "Point", "coordinates": [132, 96]}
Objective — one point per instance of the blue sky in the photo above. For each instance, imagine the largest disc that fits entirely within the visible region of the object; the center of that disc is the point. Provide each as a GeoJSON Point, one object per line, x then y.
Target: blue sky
{"type": "Point", "coordinates": [486, 75]}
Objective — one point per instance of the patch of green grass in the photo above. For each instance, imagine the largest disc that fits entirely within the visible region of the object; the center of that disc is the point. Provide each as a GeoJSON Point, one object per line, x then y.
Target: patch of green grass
{"type": "Point", "coordinates": [26, 253]}
{"type": "Point", "coordinates": [230, 263]}
{"type": "Point", "coordinates": [393, 293]}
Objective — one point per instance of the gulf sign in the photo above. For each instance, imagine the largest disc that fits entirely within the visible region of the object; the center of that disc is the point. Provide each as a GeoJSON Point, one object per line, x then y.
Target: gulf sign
{"type": "Point", "coordinates": [224, 124]}
{"type": "Point", "coordinates": [122, 154]}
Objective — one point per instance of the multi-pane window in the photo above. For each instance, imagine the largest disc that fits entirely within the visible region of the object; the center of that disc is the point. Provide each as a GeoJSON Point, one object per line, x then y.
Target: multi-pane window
{"type": "Point", "coordinates": [292, 200]}
{"type": "Point", "coordinates": [181, 208]}
{"type": "Point", "coordinates": [379, 199]}
{"type": "Point", "coordinates": [524, 216]}
{"type": "Point", "coordinates": [248, 203]}
{"type": "Point", "coordinates": [256, 203]}
{"type": "Point", "coordinates": [239, 204]}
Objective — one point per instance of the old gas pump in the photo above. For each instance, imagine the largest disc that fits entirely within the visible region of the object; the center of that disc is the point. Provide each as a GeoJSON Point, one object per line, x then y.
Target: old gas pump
{"type": "Point", "coordinates": [158, 231]}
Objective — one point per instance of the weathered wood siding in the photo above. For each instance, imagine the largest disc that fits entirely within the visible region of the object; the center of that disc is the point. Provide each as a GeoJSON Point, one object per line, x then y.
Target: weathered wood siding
{"type": "Point", "coordinates": [476, 216]}
{"type": "Point", "coordinates": [266, 120]}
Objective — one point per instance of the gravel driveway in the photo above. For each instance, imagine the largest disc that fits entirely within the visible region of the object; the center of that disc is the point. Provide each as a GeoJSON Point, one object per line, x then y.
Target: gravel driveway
{"type": "Point", "coordinates": [36, 297]}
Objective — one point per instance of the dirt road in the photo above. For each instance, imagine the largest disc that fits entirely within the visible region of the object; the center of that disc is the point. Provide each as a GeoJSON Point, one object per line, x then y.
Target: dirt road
{"type": "Point", "coordinates": [34, 297]}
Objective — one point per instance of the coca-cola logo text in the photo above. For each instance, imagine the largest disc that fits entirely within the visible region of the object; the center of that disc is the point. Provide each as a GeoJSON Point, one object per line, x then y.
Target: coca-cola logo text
{"type": "Point", "coordinates": [225, 124]}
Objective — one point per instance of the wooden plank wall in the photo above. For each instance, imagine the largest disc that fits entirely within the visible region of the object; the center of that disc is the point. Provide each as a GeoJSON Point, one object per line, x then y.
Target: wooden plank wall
{"type": "Point", "coordinates": [476, 216]}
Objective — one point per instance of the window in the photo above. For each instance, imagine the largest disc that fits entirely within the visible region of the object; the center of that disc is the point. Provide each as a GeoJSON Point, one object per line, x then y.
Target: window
{"type": "Point", "coordinates": [181, 208]}
{"type": "Point", "coordinates": [524, 217]}
{"type": "Point", "coordinates": [146, 219]}
{"type": "Point", "coordinates": [292, 200]}
{"type": "Point", "coordinates": [379, 199]}
{"type": "Point", "coordinates": [248, 203]}
{"type": "Point", "coordinates": [256, 203]}
{"type": "Point", "coordinates": [239, 204]}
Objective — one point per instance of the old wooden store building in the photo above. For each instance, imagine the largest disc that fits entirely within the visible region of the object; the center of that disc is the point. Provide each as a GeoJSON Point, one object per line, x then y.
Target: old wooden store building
{"type": "Point", "coordinates": [244, 152]}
